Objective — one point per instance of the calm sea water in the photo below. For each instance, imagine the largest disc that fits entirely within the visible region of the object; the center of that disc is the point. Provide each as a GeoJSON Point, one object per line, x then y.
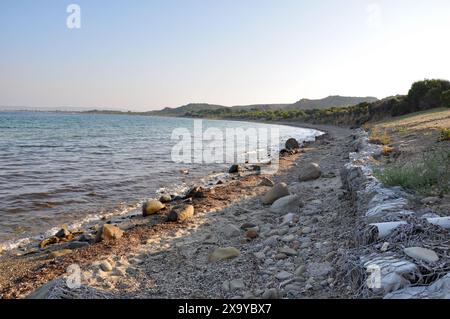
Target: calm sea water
{"type": "Point", "coordinates": [58, 167]}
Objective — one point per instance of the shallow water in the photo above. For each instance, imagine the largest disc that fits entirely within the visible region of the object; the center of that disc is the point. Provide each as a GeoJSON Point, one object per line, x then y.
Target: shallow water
{"type": "Point", "coordinates": [59, 167]}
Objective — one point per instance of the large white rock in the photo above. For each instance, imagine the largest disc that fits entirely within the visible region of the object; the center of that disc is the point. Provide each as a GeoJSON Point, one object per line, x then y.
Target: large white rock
{"type": "Point", "coordinates": [424, 254]}
{"type": "Point", "coordinates": [310, 172]}
{"type": "Point", "coordinates": [277, 192]}
{"type": "Point", "coordinates": [286, 205]}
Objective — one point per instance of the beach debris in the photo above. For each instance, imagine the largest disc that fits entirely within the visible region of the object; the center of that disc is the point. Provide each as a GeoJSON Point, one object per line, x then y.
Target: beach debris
{"type": "Point", "coordinates": [224, 254]}
{"type": "Point", "coordinates": [287, 204]}
{"type": "Point", "coordinates": [310, 172]}
{"type": "Point", "coordinates": [292, 144]}
{"type": "Point", "coordinates": [234, 169]}
{"type": "Point", "coordinates": [266, 182]}
{"type": "Point", "coordinates": [181, 213]}
{"type": "Point", "coordinates": [278, 191]}
{"type": "Point", "coordinates": [152, 207]}
{"type": "Point", "coordinates": [424, 254]}
{"type": "Point", "coordinates": [184, 171]}
{"type": "Point", "coordinates": [440, 289]}
{"type": "Point", "coordinates": [108, 232]}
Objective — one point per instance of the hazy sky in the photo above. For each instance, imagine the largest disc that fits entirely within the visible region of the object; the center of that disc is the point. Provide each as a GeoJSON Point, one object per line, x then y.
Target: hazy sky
{"type": "Point", "coordinates": [148, 54]}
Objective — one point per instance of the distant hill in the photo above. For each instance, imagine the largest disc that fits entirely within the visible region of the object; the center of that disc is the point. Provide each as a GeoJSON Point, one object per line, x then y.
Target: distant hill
{"type": "Point", "coordinates": [304, 104]}
{"type": "Point", "coordinates": [185, 109]}
{"type": "Point", "coordinates": [330, 101]}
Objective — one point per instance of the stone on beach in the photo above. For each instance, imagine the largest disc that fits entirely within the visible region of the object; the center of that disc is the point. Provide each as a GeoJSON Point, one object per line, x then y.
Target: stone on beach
{"type": "Point", "coordinates": [63, 232]}
{"type": "Point", "coordinates": [266, 182]}
{"type": "Point", "coordinates": [287, 204]}
{"type": "Point", "coordinates": [234, 169]}
{"type": "Point", "coordinates": [292, 144]}
{"type": "Point", "coordinates": [165, 198]}
{"type": "Point", "coordinates": [277, 192]}
{"type": "Point", "coordinates": [49, 241]}
{"type": "Point", "coordinates": [196, 192]}
{"type": "Point", "coordinates": [181, 213]}
{"type": "Point", "coordinates": [231, 231]}
{"type": "Point", "coordinates": [108, 232]}
{"type": "Point", "coordinates": [224, 254]}
{"type": "Point", "coordinates": [152, 207]}
{"type": "Point", "coordinates": [310, 172]}
{"type": "Point", "coordinates": [424, 254]}
{"type": "Point", "coordinates": [106, 266]}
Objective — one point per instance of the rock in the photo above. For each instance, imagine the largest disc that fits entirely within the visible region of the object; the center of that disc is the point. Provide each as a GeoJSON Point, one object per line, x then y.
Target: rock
{"type": "Point", "coordinates": [106, 266]}
{"type": "Point", "coordinates": [306, 230]}
{"type": "Point", "coordinates": [49, 241]}
{"type": "Point", "coordinates": [231, 231]}
{"type": "Point", "coordinates": [272, 293]}
{"type": "Point", "coordinates": [292, 144]}
{"type": "Point", "coordinates": [283, 275]}
{"type": "Point", "coordinates": [260, 255]}
{"type": "Point", "coordinates": [77, 244]}
{"type": "Point", "coordinates": [196, 192]}
{"type": "Point", "coordinates": [288, 238]}
{"type": "Point", "coordinates": [310, 172]}
{"type": "Point", "coordinates": [224, 254]}
{"type": "Point", "coordinates": [251, 234]}
{"type": "Point", "coordinates": [237, 284]}
{"type": "Point", "coordinates": [266, 182]}
{"type": "Point", "coordinates": [59, 253]}
{"type": "Point", "coordinates": [288, 251]}
{"type": "Point", "coordinates": [86, 238]}
{"type": "Point", "coordinates": [108, 232]}
{"type": "Point", "coordinates": [319, 269]}
{"type": "Point", "coordinates": [430, 200]}
{"type": "Point", "coordinates": [234, 169]}
{"type": "Point", "coordinates": [287, 204]}
{"type": "Point", "coordinates": [63, 232]}
{"type": "Point", "coordinates": [44, 291]}
{"type": "Point", "coordinates": [277, 192]}
{"type": "Point", "coordinates": [181, 213]}
{"type": "Point", "coordinates": [423, 254]}
{"type": "Point", "coordinates": [288, 219]}
{"type": "Point", "coordinates": [152, 207]}
{"type": "Point", "coordinates": [247, 226]}
{"type": "Point", "coordinates": [300, 270]}
{"type": "Point", "coordinates": [226, 285]}
{"type": "Point", "coordinates": [280, 256]}
{"type": "Point", "coordinates": [165, 198]}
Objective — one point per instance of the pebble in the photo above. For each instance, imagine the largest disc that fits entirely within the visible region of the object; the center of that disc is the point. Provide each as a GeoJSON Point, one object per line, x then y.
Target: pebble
{"type": "Point", "coordinates": [272, 293]}
{"type": "Point", "coordinates": [106, 266]}
{"type": "Point", "coordinates": [223, 254]}
{"type": "Point", "coordinates": [300, 270]}
{"type": "Point", "coordinates": [283, 275]}
{"type": "Point", "coordinates": [237, 284]}
{"type": "Point", "coordinates": [288, 251]}
{"type": "Point", "coordinates": [307, 230]}
{"type": "Point", "coordinates": [288, 238]}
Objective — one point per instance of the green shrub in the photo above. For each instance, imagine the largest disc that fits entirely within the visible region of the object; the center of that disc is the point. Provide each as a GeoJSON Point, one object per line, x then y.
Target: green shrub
{"type": "Point", "coordinates": [445, 134]}
{"type": "Point", "coordinates": [446, 98]}
{"type": "Point", "coordinates": [430, 175]}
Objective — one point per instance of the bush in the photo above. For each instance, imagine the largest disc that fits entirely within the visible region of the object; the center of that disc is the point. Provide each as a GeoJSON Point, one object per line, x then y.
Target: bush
{"type": "Point", "coordinates": [445, 134]}
{"type": "Point", "coordinates": [446, 98]}
{"type": "Point", "coordinates": [376, 137]}
{"type": "Point", "coordinates": [430, 175]}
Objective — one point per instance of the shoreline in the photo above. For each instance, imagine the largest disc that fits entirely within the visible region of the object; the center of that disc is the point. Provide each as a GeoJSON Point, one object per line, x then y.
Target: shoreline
{"type": "Point", "coordinates": [33, 258]}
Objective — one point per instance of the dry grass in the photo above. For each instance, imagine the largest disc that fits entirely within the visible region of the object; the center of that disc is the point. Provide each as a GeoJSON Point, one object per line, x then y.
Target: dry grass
{"type": "Point", "coordinates": [376, 137]}
{"type": "Point", "coordinates": [387, 150]}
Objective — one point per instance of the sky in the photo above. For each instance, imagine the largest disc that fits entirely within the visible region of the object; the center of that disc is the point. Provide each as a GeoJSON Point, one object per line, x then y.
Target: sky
{"type": "Point", "coordinates": [149, 54]}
